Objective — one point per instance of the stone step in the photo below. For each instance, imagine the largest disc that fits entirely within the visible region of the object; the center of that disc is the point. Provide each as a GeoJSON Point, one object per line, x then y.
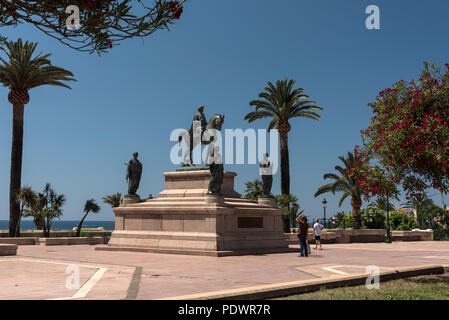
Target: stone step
{"type": "Point", "coordinates": [19, 240]}
{"type": "Point", "coordinates": [8, 249]}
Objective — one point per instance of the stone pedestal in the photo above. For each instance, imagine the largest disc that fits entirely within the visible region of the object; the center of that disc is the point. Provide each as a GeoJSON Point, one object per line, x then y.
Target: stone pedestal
{"type": "Point", "coordinates": [129, 199]}
{"type": "Point", "coordinates": [184, 219]}
{"type": "Point", "coordinates": [214, 199]}
{"type": "Point", "coordinates": [267, 201]}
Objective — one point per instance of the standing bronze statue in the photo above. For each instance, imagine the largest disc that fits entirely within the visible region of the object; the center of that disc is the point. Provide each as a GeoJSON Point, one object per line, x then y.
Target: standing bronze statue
{"type": "Point", "coordinates": [216, 172]}
{"type": "Point", "coordinates": [266, 172]}
{"type": "Point", "coordinates": [133, 174]}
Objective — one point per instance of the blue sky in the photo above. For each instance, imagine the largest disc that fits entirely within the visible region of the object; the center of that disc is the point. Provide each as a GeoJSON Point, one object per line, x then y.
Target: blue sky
{"type": "Point", "coordinates": [220, 54]}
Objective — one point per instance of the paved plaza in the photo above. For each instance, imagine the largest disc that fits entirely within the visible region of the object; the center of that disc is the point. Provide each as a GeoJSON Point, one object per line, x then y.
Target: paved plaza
{"type": "Point", "coordinates": [44, 272]}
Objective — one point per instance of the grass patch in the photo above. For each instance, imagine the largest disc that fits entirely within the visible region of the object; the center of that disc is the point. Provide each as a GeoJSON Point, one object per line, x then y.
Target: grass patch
{"type": "Point", "coordinates": [429, 287]}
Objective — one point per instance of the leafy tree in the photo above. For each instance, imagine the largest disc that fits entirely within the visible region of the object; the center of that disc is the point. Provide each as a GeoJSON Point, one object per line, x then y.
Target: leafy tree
{"type": "Point", "coordinates": [282, 103]}
{"type": "Point", "coordinates": [417, 202]}
{"type": "Point", "coordinates": [90, 206]}
{"type": "Point", "coordinates": [103, 23]}
{"type": "Point", "coordinates": [400, 220]}
{"type": "Point", "coordinates": [342, 220]}
{"type": "Point", "coordinates": [347, 185]}
{"type": "Point", "coordinates": [373, 218]}
{"type": "Point", "coordinates": [20, 74]}
{"type": "Point", "coordinates": [43, 207]}
{"type": "Point", "coordinates": [435, 218]}
{"type": "Point", "coordinates": [253, 189]}
{"type": "Point", "coordinates": [373, 178]}
{"type": "Point", "coordinates": [337, 218]}
{"type": "Point", "coordinates": [289, 205]}
{"type": "Point", "coordinates": [113, 200]}
{"type": "Point", "coordinates": [409, 131]}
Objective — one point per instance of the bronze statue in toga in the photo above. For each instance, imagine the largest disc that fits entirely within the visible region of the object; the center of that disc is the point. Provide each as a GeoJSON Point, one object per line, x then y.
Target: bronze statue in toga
{"type": "Point", "coordinates": [133, 174]}
{"type": "Point", "coordinates": [266, 172]}
{"type": "Point", "coordinates": [216, 172]}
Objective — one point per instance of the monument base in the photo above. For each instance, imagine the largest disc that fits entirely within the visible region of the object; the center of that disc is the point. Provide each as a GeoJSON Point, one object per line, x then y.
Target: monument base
{"type": "Point", "coordinates": [184, 219]}
{"type": "Point", "coordinates": [268, 201]}
{"type": "Point", "coordinates": [206, 253]}
{"type": "Point", "coordinates": [129, 199]}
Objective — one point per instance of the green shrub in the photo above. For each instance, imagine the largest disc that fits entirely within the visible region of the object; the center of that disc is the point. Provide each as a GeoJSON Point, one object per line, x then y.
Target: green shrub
{"type": "Point", "coordinates": [437, 219]}
{"type": "Point", "coordinates": [400, 220]}
{"type": "Point", "coordinates": [343, 220]}
{"type": "Point", "coordinates": [373, 218]}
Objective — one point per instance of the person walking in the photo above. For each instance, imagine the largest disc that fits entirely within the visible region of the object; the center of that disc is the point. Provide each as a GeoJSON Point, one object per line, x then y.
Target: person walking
{"type": "Point", "coordinates": [302, 235]}
{"type": "Point", "coordinates": [317, 228]}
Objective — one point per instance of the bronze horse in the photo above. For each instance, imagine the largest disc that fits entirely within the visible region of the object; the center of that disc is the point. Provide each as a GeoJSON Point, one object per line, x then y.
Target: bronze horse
{"type": "Point", "coordinates": [215, 122]}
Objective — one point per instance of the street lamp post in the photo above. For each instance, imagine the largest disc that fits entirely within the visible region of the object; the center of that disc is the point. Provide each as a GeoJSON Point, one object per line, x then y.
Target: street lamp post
{"type": "Point", "coordinates": [324, 202]}
{"type": "Point", "coordinates": [388, 236]}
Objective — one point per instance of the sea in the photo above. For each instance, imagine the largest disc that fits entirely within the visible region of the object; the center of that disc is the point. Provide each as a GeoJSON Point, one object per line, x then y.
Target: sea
{"type": "Point", "coordinates": [26, 224]}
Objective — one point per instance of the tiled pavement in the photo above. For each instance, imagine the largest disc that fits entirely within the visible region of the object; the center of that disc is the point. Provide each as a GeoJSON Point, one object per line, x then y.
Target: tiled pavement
{"type": "Point", "coordinates": [39, 272]}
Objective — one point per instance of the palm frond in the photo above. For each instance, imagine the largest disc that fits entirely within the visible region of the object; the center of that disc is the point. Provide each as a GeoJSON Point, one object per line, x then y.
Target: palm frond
{"type": "Point", "coordinates": [283, 103]}
{"type": "Point", "coordinates": [24, 72]}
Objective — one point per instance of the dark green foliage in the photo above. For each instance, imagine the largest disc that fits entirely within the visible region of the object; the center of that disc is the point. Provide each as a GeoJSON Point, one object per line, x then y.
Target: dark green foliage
{"type": "Point", "coordinates": [90, 206]}
{"type": "Point", "coordinates": [437, 219]}
{"type": "Point", "coordinates": [289, 204]}
{"type": "Point", "coordinates": [113, 200]}
{"type": "Point", "coordinates": [346, 185]}
{"type": "Point", "coordinates": [282, 103]}
{"type": "Point", "coordinates": [373, 218]}
{"type": "Point", "coordinates": [382, 203]}
{"type": "Point", "coordinates": [103, 23]}
{"type": "Point", "coordinates": [23, 71]}
{"type": "Point", "coordinates": [343, 220]}
{"type": "Point", "coordinates": [418, 202]}
{"type": "Point", "coordinates": [400, 220]}
{"type": "Point", "coordinates": [253, 190]}
{"type": "Point", "coordinates": [43, 206]}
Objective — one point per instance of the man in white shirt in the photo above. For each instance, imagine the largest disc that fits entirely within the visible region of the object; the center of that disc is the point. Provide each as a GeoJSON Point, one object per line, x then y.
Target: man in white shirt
{"type": "Point", "coordinates": [317, 228]}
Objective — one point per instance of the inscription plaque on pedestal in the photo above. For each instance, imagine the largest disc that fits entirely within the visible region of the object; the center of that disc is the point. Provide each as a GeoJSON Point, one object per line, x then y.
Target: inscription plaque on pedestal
{"type": "Point", "coordinates": [250, 222]}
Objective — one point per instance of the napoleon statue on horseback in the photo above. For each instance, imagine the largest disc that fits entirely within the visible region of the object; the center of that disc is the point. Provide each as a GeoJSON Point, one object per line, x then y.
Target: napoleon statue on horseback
{"type": "Point", "coordinates": [199, 133]}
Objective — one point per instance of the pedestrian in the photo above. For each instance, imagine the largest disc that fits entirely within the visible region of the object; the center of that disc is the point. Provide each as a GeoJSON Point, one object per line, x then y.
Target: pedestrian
{"type": "Point", "coordinates": [302, 236]}
{"type": "Point", "coordinates": [317, 228]}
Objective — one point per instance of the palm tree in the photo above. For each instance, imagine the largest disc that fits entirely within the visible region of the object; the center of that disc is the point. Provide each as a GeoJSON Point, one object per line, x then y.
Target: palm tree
{"type": "Point", "coordinates": [417, 202]}
{"type": "Point", "coordinates": [282, 103]}
{"type": "Point", "coordinates": [53, 207]}
{"type": "Point", "coordinates": [90, 206]}
{"type": "Point", "coordinates": [25, 196]}
{"type": "Point", "coordinates": [383, 204]}
{"type": "Point", "coordinates": [253, 189]}
{"type": "Point", "coordinates": [349, 187]}
{"type": "Point", "coordinates": [113, 200]}
{"type": "Point", "coordinates": [21, 74]}
{"type": "Point", "coordinates": [34, 207]}
{"type": "Point", "coordinates": [43, 207]}
{"type": "Point", "coordinates": [289, 205]}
